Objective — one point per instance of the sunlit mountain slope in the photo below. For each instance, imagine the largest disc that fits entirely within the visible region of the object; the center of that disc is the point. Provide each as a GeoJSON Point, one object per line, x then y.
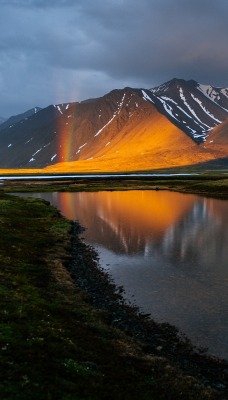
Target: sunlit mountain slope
{"type": "Point", "coordinates": [142, 141]}
{"type": "Point", "coordinates": [176, 124]}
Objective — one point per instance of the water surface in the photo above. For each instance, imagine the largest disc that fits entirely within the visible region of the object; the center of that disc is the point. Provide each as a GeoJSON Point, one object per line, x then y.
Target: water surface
{"type": "Point", "coordinates": [168, 250]}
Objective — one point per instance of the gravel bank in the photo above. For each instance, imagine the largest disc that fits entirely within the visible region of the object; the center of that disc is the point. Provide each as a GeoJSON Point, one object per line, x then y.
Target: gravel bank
{"type": "Point", "coordinates": [155, 339]}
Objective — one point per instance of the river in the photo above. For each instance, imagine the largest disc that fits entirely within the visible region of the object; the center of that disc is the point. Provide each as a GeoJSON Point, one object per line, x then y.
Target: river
{"type": "Point", "coordinates": [168, 250]}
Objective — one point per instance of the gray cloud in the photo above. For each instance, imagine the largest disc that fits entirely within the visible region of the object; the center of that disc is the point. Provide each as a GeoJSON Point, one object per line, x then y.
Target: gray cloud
{"type": "Point", "coordinates": [63, 50]}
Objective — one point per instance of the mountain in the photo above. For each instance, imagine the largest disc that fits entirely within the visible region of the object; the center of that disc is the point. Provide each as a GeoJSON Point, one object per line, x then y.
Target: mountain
{"type": "Point", "coordinates": [193, 107]}
{"type": "Point", "coordinates": [2, 119]}
{"type": "Point", "coordinates": [178, 123]}
{"type": "Point", "coordinates": [219, 136]}
{"type": "Point", "coordinates": [17, 118]}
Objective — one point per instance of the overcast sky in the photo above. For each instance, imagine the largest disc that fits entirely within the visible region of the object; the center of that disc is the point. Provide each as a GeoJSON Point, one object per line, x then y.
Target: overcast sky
{"type": "Point", "coordinates": [54, 51]}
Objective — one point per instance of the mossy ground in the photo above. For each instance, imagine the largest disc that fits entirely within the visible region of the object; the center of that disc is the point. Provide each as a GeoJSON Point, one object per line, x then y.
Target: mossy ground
{"type": "Point", "coordinates": [213, 184]}
{"type": "Point", "coordinates": [53, 343]}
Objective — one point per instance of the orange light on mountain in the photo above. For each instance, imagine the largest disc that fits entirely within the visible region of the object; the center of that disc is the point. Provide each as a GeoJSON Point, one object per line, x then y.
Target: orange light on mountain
{"type": "Point", "coordinates": [141, 144]}
{"type": "Point", "coordinates": [65, 127]}
{"type": "Point", "coordinates": [65, 141]}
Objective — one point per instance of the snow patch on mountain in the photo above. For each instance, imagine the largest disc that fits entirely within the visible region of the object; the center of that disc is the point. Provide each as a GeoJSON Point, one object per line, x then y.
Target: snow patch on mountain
{"type": "Point", "coordinates": [167, 108]}
{"type": "Point", "coordinates": [182, 96]}
{"type": "Point", "coordinates": [122, 101]}
{"type": "Point", "coordinates": [205, 110]}
{"type": "Point", "coordinates": [168, 99]}
{"type": "Point", "coordinates": [37, 152]}
{"type": "Point", "coordinates": [59, 109]}
{"type": "Point", "coordinates": [28, 141]}
{"type": "Point", "coordinates": [114, 115]}
{"type": "Point", "coordinates": [164, 87]}
{"type": "Point", "coordinates": [225, 92]}
{"type": "Point", "coordinates": [80, 147]}
{"type": "Point", "coordinates": [214, 94]}
{"type": "Point", "coordinates": [182, 110]}
{"type": "Point", "coordinates": [52, 158]}
{"type": "Point", "coordinates": [208, 91]}
{"type": "Point", "coordinates": [109, 122]}
{"type": "Point", "coordinates": [146, 97]}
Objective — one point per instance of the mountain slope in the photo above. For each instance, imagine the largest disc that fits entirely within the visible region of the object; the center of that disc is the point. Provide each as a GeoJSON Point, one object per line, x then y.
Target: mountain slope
{"type": "Point", "coordinates": [125, 130]}
{"type": "Point", "coordinates": [21, 141]}
{"type": "Point", "coordinates": [17, 118]}
{"type": "Point", "coordinates": [217, 139]}
{"type": "Point", "coordinates": [193, 107]}
{"type": "Point", "coordinates": [137, 137]}
{"type": "Point", "coordinates": [219, 135]}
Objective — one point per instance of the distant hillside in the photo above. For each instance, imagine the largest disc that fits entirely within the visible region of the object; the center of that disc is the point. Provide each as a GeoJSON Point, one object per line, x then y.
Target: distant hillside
{"type": "Point", "coordinates": [17, 118]}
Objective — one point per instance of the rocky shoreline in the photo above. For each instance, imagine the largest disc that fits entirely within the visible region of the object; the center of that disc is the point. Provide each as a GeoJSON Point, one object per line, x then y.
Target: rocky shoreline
{"type": "Point", "coordinates": [162, 340]}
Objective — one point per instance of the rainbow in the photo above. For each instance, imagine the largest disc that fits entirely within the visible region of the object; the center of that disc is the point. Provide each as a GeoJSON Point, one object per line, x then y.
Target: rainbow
{"type": "Point", "coordinates": [65, 129]}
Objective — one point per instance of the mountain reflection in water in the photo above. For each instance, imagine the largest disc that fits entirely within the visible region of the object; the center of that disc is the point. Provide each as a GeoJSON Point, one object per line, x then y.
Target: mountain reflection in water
{"type": "Point", "coordinates": [183, 228]}
{"type": "Point", "coordinates": [125, 222]}
{"type": "Point", "coordinates": [168, 250]}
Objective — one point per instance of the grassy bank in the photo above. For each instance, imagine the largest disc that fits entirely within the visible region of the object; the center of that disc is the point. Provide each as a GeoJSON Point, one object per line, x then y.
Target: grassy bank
{"type": "Point", "coordinates": [215, 185]}
{"type": "Point", "coordinates": [53, 343]}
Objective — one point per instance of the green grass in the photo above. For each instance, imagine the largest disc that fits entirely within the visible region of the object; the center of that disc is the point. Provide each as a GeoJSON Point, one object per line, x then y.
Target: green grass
{"type": "Point", "coordinates": [53, 343]}
{"type": "Point", "coordinates": [208, 184]}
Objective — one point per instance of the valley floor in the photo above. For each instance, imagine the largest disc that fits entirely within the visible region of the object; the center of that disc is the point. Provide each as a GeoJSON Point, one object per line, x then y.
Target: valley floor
{"type": "Point", "coordinates": [65, 332]}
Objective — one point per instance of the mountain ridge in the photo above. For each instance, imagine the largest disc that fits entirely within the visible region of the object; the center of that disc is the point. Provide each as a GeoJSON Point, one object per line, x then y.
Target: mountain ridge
{"type": "Point", "coordinates": [9, 122]}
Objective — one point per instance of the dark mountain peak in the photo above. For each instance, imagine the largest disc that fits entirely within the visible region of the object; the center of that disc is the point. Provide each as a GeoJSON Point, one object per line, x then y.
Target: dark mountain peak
{"type": "Point", "coordinates": [177, 81]}
{"type": "Point", "coordinates": [174, 83]}
{"type": "Point", "coordinates": [192, 82]}
{"type": "Point", "coordinates": [193, 107]}
{"type": "Point", "coordinates": [36, 109]}
{"type": "Point", "coordinates": [115, 93]}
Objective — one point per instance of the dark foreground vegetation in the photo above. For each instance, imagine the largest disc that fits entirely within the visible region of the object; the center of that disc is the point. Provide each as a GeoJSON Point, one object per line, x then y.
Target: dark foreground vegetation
{"type": "Point", "coordinates": [64, 333]}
